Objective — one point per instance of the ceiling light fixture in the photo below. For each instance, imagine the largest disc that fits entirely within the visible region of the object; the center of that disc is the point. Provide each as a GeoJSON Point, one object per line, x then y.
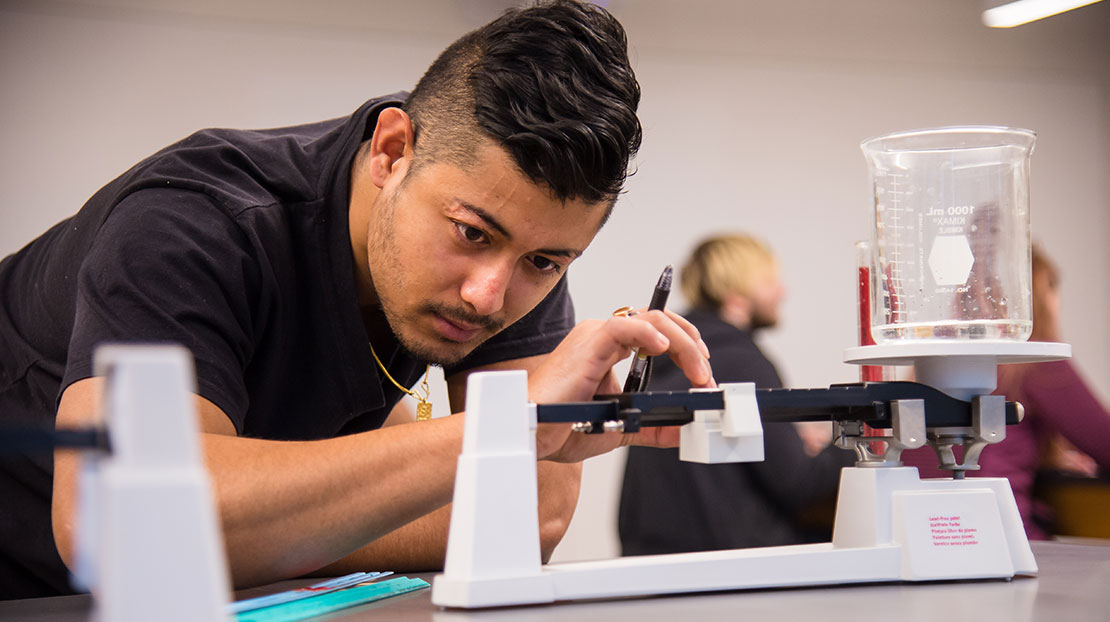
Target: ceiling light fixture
{"type": "Point", "coordinates": [1021, 12]}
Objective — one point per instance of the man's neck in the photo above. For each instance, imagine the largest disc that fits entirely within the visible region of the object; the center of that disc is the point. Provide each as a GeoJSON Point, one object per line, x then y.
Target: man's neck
{"type": "Point", "coordinates": [736, 315]}
{"type": "Point", "coordinates": [363, 195]}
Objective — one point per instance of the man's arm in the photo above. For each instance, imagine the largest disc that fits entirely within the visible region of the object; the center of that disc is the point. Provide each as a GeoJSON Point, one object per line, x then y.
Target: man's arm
{"type": "Point", "coordinates": [422, 544]}
{"type": "Point", "coordinates": [288, 508]}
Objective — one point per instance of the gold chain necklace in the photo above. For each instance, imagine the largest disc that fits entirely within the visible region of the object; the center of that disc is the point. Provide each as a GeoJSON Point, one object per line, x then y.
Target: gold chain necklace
{"type": "Point", "coordinates": [424, 407]}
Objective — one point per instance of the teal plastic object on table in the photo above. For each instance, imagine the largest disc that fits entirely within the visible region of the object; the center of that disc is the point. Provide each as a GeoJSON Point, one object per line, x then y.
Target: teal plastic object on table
{"type": "Point", "coordinates": [333, 601]}
{"type": "Point", "coordinates": [331, 585]}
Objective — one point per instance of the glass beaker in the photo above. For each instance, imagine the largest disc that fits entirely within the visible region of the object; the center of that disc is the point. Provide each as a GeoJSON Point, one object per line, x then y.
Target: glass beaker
{"type": "Point", "coordinates": [951, 240]}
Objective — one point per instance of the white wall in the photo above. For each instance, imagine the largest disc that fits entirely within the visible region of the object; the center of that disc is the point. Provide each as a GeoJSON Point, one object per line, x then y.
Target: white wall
{"type": "Point", "coordinates": [752, 114]}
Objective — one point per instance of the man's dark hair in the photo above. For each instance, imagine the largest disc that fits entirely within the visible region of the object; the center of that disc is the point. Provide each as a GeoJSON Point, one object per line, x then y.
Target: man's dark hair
{"type": "Point", "coordinates": [551, 84]}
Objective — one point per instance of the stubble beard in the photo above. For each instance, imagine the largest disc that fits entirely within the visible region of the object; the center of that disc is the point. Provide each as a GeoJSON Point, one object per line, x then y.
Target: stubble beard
{"type": "Point", "coordinates": [762, 319]}
{"type": "Point", "coordinates": [383, 245]}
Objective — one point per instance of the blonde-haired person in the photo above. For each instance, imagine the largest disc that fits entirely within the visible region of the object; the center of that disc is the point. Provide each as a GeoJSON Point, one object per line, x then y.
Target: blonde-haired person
{"type": "Point", "coordinates": [667, 506]}
{"type": "Point", "coordinates": [738, 276]}
{"type": "Point", "coordinates": [1060, 409]}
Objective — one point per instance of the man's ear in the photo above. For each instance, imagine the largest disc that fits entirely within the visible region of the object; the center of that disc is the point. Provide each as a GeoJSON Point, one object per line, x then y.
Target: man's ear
{"type": "Point", "coordinates": [390, 145]}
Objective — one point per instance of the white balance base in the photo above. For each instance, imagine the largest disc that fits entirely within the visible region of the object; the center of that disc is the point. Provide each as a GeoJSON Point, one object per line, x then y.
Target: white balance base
{"type": "Point", "coordinates": [890, 526]}
{"type": "Point", "coordinates": [913, 530]}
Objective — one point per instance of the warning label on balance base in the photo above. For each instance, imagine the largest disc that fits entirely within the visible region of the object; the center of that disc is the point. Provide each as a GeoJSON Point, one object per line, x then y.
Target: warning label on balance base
{"type": "Point", "coordinates": [950, 531]}
{"type": "Point", "coordinates": [950, 534]}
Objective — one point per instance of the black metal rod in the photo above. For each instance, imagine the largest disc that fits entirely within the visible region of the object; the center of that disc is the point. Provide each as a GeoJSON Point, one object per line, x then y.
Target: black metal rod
{"type": "Point", "coordinates": [866, 402]}
{"type": "Point", "coordinates": [32, 439]}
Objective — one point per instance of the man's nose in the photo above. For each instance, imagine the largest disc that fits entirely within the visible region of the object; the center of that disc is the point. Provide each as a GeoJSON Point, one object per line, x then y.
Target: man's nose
{"type": "Point", "coordinates": [485, 286]}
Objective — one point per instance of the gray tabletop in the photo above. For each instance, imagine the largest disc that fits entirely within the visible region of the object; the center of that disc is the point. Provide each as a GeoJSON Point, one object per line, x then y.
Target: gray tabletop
{"type": "Point", "coordinates": [1073, 585]}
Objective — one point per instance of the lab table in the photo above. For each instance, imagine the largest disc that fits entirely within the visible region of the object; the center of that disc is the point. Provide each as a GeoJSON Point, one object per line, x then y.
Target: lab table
{"type": "Point", "coordinates": [1073, 584]}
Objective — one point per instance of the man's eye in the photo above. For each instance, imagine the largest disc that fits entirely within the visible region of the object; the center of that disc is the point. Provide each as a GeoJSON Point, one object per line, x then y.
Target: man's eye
{"type": "Point", "coordinates": [470, 234]}
{"type": "Point", "coordinates": [543, 264]}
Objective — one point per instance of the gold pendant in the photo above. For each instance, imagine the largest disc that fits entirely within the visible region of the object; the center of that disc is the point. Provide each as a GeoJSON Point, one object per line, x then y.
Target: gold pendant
{"type": "Point", "coordinates": [423, 411]}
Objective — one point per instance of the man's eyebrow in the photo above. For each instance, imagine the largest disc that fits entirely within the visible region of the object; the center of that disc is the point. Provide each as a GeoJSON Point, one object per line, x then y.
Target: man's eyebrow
{"type": "Point", "coordinates": [493, 223]}
{"type": "Point", "coordinates": [487, 218]}
{"type": "Point", "coordinates": [560, 252]}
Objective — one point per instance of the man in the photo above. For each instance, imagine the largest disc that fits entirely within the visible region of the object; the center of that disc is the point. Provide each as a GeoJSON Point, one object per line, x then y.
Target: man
{"type": "Point", "coordinates": [668, 506]}
{"type": "Point", "coordinates": [307, 268]}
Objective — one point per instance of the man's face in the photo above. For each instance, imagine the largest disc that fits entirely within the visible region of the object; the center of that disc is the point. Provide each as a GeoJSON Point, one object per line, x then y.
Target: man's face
{"type": "Point", "coordinates": [457, 255]}
{"type": "Point", "coordinates": [766, 297]}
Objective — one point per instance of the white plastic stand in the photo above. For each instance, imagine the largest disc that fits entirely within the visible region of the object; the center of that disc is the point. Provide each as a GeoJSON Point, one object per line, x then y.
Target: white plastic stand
{"type": "Point", "coordinates": [148, 542]}
{"type": "Point", "coordinates": [734, 434]}
{"type": "Point", "coordinates": [890, 525]}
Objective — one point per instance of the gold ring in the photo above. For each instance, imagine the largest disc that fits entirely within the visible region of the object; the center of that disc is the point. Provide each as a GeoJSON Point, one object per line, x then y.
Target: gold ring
{"type": "Point", "coordinates": [624, 312]}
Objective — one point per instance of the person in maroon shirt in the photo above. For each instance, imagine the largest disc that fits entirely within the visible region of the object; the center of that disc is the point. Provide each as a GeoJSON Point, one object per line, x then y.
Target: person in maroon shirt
{"type": "Point", "coordinates": [1058, 406]}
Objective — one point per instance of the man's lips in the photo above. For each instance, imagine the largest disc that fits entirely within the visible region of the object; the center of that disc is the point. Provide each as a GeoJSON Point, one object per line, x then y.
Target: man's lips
{"type": "Point", "coordinates": [454, 329]}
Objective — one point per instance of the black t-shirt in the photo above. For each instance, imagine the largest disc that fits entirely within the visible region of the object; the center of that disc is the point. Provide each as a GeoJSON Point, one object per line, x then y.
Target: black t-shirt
{"type": "Point", "coordinates": [235, 244]}
{"type": "Point", "coordinates": [671, 506]}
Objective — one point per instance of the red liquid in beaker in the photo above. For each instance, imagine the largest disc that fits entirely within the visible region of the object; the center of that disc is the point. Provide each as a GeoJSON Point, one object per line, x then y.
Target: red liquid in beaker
{"type": "Point", "coordinates": [867, 373]}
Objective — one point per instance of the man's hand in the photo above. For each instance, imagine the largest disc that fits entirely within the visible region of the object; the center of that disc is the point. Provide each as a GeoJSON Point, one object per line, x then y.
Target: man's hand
{"type": "Point", "coordinates": [582, 366]}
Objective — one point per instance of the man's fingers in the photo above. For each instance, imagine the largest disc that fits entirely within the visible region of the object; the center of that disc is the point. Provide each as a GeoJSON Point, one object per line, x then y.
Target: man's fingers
{"type": "Point", "coordinates": [683, 323]}
{"type": "Point", "coordinates": [684, 345]}
{"type": "Point", "coordinates": [691, 330]}
{"type": "Point", "coordinates": [663, 436]}
{"type": "Point", "coordinates": [609, 385]}
{"type": "Point", "coordinates": [638, 333]}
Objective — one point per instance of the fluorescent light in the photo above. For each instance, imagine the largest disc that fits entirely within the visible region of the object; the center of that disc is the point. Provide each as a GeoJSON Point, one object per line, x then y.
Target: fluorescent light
{"type": "Point", "coordinates": [1024, 11]}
